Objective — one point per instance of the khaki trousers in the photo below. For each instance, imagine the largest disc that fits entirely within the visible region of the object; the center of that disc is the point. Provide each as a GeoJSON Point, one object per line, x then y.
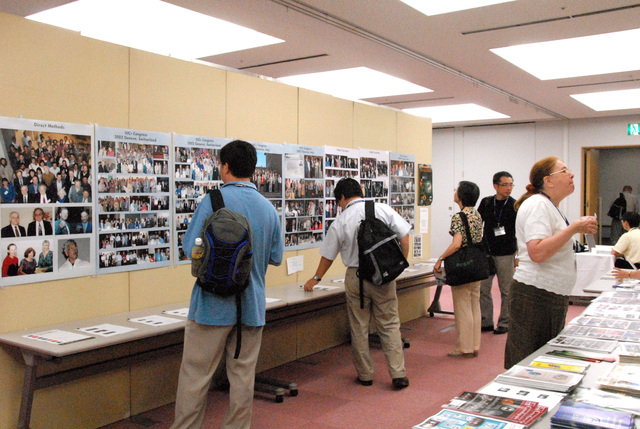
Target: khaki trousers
{"type": "Point", "coordinates": [381, 302]}
{"type": "Point", "coordinates": [466, 310]}
{"type": "Point", "coordinates": [204, 346]}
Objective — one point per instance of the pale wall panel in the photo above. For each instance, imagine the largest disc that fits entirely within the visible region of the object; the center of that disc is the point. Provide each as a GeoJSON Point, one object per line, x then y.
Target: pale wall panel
{"type": "Point", "coordinates": [171, 95]}
{"type": "Point", "coordinates": [325, 120]}
{"type": "Point", "coordinates": [56, 75]}
{"type": "Point", "coordinates": [159, 286]}
{"type": "Point", "coordinates": [261, 110]}
{"type": "Point", "coordinates": [374, 128]}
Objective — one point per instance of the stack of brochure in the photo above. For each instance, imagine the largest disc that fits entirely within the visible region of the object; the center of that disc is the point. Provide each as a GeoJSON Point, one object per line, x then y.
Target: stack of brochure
{"type": "Point", "coordinates": [585, 416]}
{"type": "Point", "coordinates": [500, 407]}
{"type": "Point", "coordinates": [629, 352]}
{"type": "Point", "coordinates": [583, 343]}
{"type": "Point", "coordinates": [560, 364]}
{"type": "Point", "coordinates": [623, 378]}
{"type": "Point", "coordinates": [540, 378]}
{"type": "Point", "coordinates": [454, 419]}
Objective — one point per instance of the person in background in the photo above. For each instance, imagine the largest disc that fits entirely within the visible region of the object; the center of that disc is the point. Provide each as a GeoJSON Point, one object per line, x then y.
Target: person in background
{"type": "Point", "coordinates": [70, 251]}
{"type": "Point", "coordinates": [546, 272]}
{"type": "Point", "coordinates": [627, 249]}
{"type": "Point", "coordinates": [45, 259]}
{"type": "Point", "coordinates": [209, 332]}
{"type": "Point", "coordinates": [499, 219]}
{"type": "Point", "coordinates": [10, 264]}
{"type": "Point", "coordinates": [7, 192]}
{"type": "Point", "coordinates": [381, 301]}
{"type": "Point", "coordinates": [466, 297]}
{"type": "Point", "coordinates": [28, 264]}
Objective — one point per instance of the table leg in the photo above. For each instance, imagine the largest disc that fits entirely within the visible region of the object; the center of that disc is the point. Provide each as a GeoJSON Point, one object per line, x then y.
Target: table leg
{"type": "Point", "coordinates": [28, 387]}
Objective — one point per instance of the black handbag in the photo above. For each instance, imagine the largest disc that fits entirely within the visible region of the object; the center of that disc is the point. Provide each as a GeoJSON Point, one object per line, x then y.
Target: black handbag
{"type": "Point", "coordinates": [469, 263]}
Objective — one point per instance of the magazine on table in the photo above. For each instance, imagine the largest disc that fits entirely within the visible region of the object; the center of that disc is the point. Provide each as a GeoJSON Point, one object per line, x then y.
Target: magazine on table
{"type": "Point", "coordinates": [540, 378]}
{"type": "Point", "coordinates": [523, 412]}
{"type": "Point", "coordinates": [454, 419]}
{"type": "Point", "coordinates": [547, 398]}
{"type": "Point", "coordinates": [582, 343]}
{"type": "Point", "coordinates": [560, 364]}
{"type": "Point", "coordinates": [606, 399]}
{"type": "Point", "coordinates": [587, 416]}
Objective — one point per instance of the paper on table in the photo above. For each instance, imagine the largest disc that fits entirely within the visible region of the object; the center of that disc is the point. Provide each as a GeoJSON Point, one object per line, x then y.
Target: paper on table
{"type": "Point", "coordinates": [107, 329]}
{"type": "Point", "coordinates": [324, 287]}
{"type": "Point", "coordinates": [155, 320]}
{"type": "Point", "coordinates": [273, 300]}
{"type": "Point", "coordinates": [182, 312]}
{"type": "Point", "coordinates": [56, 336]}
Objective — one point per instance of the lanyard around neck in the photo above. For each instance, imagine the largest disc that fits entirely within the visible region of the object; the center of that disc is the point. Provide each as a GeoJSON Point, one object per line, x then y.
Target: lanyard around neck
{"type": "Point", "coordinates": [557, 208]}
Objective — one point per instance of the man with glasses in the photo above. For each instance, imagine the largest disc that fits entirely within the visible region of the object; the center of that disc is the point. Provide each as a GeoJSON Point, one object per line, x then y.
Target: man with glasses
{"type": "Point", "coordinates": [39, 226]}
{"type": "Point", "coordinates": [70, 251]}
{"type": "Point", "coordinates": [499, 219]}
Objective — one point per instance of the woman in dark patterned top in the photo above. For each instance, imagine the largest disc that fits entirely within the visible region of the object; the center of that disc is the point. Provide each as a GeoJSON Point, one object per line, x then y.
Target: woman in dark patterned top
{"type": "Point", "coordinates": [466, 297]}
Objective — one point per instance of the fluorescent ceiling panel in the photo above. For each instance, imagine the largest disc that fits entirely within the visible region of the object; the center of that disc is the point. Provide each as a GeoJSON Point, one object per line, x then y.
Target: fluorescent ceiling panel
{"type": "Point", "coordinates": [430, 7]}
{"type": "Point", "coordinates": [354, 84]}
{"type": "Point", "coordinates": [579, 56]}
{"type": "Point", "coordinates": [154, 26]}
{"type": "Point", "coordinates": [611, 100]}
{"type": "Point", "coordinates": [456, 113]}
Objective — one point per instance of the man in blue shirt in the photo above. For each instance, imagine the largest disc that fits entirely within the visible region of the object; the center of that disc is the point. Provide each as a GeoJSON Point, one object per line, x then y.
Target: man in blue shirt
{"type": "Point", "coordinates": [210, 332]}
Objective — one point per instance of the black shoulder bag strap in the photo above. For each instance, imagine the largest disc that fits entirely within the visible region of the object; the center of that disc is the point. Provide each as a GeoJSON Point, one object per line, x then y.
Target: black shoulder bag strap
{"type": "Point", "coordinates": [217, 202]}
{"type": "Point", "coordinates": [370, 214]}
{"type": "Point", "coordinates": [465, 222]}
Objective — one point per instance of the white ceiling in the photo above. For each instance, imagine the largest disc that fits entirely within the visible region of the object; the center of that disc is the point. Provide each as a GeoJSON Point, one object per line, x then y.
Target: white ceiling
{"type": "Point", "coordinates": [447, 53]}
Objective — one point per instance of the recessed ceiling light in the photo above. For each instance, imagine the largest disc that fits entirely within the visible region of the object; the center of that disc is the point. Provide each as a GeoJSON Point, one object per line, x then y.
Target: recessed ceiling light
{"type": "Point", "coordinates": [355, 83]}
{"type": "Point", "coordinates": [439, 7]}
{"type": "Point", "coordinates": [611, 100]}
{"type": "Point", "coordinates": [579, 56]}
{"type": "Point", "coordinates": [456, 113]}
{"type": "Point", "coordinates": [154, 26]}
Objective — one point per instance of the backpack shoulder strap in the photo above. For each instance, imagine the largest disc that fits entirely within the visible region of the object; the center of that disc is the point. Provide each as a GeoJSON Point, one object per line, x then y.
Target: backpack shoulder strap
{"type": "Point", "coordinates": [369, 210]}
{"type": "Point", "coordinates": [217, 202]}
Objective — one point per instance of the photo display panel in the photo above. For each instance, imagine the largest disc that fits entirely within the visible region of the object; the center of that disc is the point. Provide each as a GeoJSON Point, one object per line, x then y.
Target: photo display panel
{"type": "Point", "coordinates": [196, 171]}
{"type": "Point", "coordinates": [374, 175]}
{"type": "Point", "coordinates": [47, 214]}
{"type": "Point", "coordinates": [268, 176]}
{"type": "Point", "coordinates": [403, 186]}
{"type": "Point", "coordinates": [134, 216]}
{"type": "Point", "coordinates": [339, 162]}
{"type": "Point", "coordinates": [304, 196]}
{"type": "Point", "coordinates": [425, 185]}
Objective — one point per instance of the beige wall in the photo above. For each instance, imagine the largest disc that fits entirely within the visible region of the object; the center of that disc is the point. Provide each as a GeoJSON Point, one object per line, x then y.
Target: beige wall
{"type": "Point", "coordinates": [57, 75]}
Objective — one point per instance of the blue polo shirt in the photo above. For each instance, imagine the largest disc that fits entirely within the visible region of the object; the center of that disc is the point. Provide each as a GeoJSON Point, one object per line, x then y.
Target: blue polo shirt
{"type": "Point", "coordinates": [268, 248]}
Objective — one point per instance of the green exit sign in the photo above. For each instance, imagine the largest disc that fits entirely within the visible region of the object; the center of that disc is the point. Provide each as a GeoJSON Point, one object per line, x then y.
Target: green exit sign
{"type": "Point", "coordinates": [633, 130]}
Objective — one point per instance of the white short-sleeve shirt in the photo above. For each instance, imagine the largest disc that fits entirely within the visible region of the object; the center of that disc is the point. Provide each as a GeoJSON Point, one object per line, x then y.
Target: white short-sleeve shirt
{"type": "Point", "coordinates": [539, 218]}
{"type": "Point", "coordinates": [342, 235]}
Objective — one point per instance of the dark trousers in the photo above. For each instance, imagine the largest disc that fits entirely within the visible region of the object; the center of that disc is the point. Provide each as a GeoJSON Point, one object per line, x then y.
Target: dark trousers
{"type": "Point", "coordinates": [536, 316]}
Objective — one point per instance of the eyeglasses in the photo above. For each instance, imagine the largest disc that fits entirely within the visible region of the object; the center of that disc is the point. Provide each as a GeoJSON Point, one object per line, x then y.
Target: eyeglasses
{"type": "Point", "coordinates": [506, 185]}
{"type": "Point", "coordinates": [564, 170]}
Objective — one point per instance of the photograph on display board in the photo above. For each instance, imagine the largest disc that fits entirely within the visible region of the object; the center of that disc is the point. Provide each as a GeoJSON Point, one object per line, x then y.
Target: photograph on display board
{"type": "Point", "coordinates": [46, 173]}
{"type": "Point", "coordinates": [304, 197]}
{"type": "Point", "coordinates": [403, 186]}
{"type": "Point", "coordinates": [425, 185]}
{"type": "Point", "coordinates": [133, 198]}
{"type": "Point", "coordinates": [374, 175]}
{"type": "Point", "coordinates": [268, 174]}
{"type": "Point", "coordinates": [339, 163]}
{"type": "Point", "coordinates": [196, 172]}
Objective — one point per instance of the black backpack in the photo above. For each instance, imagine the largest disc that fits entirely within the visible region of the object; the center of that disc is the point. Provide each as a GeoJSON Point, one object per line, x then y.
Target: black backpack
{"type": "Point", "coordinates": [225, 267]}
{"type": "Point", "coordinates": [618, 208]}
{"type": "Point", "coordinates": [380, 255]}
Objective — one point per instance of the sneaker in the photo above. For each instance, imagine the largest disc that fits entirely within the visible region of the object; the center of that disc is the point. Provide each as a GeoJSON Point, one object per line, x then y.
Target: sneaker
{"type": "Point", "coordinates": [364, 382]}
{"type": "Point", "coordinates": [501, 330]}
{"type": "Point", "coordinates": [400, 383]}
{"type": "Point", "coordinates": [486, 329]}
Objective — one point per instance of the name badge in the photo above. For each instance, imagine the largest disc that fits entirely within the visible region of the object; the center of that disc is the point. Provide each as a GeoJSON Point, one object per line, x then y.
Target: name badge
{"type": "Point", "coordinates": [498, 231]}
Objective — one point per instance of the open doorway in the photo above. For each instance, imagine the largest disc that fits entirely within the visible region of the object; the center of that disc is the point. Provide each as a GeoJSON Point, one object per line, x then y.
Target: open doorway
{"type": "Point", "coordinates": [606, 170]}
